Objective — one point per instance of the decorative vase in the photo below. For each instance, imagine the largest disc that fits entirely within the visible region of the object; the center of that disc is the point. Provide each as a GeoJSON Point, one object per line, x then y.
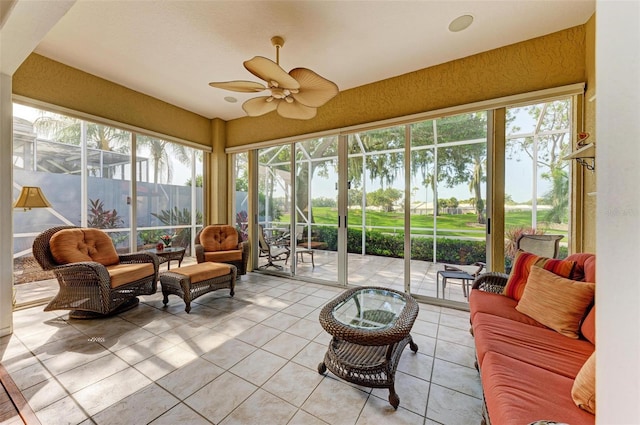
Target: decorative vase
{"type": "Point", "coordinates": [159, 246]}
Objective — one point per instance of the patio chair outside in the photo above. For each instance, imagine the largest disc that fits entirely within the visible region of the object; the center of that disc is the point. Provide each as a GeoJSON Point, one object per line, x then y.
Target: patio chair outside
{"type": "Point", "coordinates": [273, 253]}
{"type": "Point", "coordinates": [541, 245]}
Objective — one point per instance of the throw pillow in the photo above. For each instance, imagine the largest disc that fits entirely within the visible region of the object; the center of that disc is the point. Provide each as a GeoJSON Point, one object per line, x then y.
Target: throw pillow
{"type": "Point", "coordinates": [583, 391]}
{"type": "Point", "coordinates": [556, 302]}
{"type": "Point", "coordinates": [522, 265]}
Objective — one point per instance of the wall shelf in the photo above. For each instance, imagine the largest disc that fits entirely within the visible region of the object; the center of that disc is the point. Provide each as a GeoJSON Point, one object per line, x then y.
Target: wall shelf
{"type": "Point", "coordinates": [586, 151]}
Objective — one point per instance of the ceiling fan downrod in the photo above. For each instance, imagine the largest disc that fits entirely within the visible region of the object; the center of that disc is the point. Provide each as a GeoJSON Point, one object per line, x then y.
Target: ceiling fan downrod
{"type": "Point", "coordinates": [277, 42]}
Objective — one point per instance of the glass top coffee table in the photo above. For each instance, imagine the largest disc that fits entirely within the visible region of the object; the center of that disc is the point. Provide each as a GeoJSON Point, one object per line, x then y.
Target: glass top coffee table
{"type": "Point", "coordinates": [370, 328]}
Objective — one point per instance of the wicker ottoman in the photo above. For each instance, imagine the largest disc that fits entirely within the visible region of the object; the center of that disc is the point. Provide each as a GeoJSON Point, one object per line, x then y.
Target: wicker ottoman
{"type": "Point", "coordinates": [189, 282]}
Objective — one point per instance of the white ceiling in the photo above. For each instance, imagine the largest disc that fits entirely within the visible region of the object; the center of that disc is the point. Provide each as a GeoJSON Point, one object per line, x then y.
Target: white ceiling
{"type": "Point", "coordinates": [172, 49]}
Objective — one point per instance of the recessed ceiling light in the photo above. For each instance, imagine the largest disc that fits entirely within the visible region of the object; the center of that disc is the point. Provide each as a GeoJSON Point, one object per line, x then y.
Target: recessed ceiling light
{"type": "Point", "coordinates": [460, 23]}
{"type": "Point", "coordinates": [230, 99]}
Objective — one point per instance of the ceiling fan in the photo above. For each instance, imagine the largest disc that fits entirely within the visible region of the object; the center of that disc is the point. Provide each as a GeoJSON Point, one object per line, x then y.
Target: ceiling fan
{"type": "Point", "coordinates": [294, 95]}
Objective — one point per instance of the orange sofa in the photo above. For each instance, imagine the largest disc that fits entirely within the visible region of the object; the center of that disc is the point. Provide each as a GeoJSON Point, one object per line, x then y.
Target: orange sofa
{"type": "Point", "coordinates": [528, 369]}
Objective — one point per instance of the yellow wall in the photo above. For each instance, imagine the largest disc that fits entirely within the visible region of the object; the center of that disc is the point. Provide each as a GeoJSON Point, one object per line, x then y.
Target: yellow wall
{"type": "Point", "coordinates": [553, 60]}
{"type": "Point", "coordinates": [589, 209]}
{"type": "Point", "coordinates": [49, 81]}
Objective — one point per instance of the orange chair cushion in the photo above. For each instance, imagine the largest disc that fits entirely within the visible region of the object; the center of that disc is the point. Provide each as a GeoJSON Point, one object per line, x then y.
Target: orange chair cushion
{"type": "Point", "coordinates": [76, 245]}
{"type": "Point", "coordinates": [498, 305]}
{"type": "Point", "coordinates": [219, 238]}
{"type": "Point", "coordinates": [123, 274]}
{"type": "Point", "coordinates": [203, 271]}
{"type": "Point", "coordinates": [223, 256]}
{"type": "Point", "coordinates": [556, 302]}
{"type": "Point", "coordinates": [519, 393]}
{"type": "Point", "coordinates": [522, 266]}
{"type": "Point", "coordinates": [539, 347]}
{"type": "Point", "coordinates": [583, 391]}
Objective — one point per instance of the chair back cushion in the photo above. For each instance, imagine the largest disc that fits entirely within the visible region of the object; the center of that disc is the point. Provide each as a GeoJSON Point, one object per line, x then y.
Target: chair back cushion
{"type": "Point", "coordinates": [220, 237]}
{"type": "Point", "coordinates": [76, 245]}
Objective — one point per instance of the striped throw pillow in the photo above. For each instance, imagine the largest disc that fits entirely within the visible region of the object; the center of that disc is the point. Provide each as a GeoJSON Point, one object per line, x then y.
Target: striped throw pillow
{"type": "Point", "coordinates": [556, 302]}
{"type": "Point", "coordinates": [522, 265]}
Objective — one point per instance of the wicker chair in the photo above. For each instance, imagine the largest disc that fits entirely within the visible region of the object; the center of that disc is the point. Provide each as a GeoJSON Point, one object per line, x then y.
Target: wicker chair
{"type": "Point", "coordinates": [222, 243]}
{"type": "Point", "coordinates": [95, 281]}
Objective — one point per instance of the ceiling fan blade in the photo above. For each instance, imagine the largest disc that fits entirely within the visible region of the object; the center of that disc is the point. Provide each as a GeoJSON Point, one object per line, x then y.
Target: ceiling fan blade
{"type": "Point", "coordinates": [259, 106]}
{"type": "Point", "coordinates": [239, 86]}
{"type": "Point", "coordinates": [315, 90]}
{"type": "Point", "coordinates": [270, 71]}
{"type": "Point", "coordinates": [296, 111]}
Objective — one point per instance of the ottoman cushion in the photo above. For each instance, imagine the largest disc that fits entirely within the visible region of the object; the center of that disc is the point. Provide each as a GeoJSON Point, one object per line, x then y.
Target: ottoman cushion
{"type": "Point", "coordinates": [203, 271]}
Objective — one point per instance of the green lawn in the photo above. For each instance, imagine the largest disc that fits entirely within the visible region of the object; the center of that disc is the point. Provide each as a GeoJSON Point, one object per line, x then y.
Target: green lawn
{"type": "Point", "coordinates": [447, 225]}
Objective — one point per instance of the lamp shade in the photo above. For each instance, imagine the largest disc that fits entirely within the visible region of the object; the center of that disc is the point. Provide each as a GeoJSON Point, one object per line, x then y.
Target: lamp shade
{"type": "Point", "coordinates": [31, 197]}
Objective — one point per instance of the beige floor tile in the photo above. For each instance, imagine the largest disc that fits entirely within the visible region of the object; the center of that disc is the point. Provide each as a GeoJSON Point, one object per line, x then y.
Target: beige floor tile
{"type": "Point", "coordinates": [311, 355]}
{"type": "Point", "coordinates": [456, 353]}
{"type": "Point", "coordinates": [261, 408]}
{"type": "Point", "coordinates": [229, 353]}
{"type": "Point", "coordinates": [335, 402]}
{"type": "Point", "coordinates": [258, 335]}
{"type": "Point", "coordinates": [377, 411]}
{"type": "Point", "coordinates": [111, 390]}
{"type": "Point", "coordinates": [459, 336]}
{"type": "Point", "coordinates": [450, 407]}
{"type": "Point", "coordinates": [313, 301]}
{"type": "Point", "coordinates": [30, 375]}
{"type": "Point", "coordinates": [428, 315]}
{"type": "Point", "coordinates": [299, 310]}
{"type": "Point", "coordinates": [416, 364]}
{"type": "Point", "coordinates": [413, 392]}
{"type": "Point", "coordinates": [280, 321]}
{"type": "Point", "coordinates": [459, 320]}
{"type": "Point", "coordinates": [293, 383]}
{"type": "Point", "coordinates": [139, 408]}
{"type": "Point", "coordinates": [304, 418]}
{"type": "Point", "coordinates": [90, 373]}
{"type": "Point", "coordinates": [426, 344]}
{"type": "Point", "coordinates": [122, 340]}
{"type": "Point", "coordinates": [189, 378]}
{"type": "Point", "coordinates": [155, 367]}
{"type": "Point", "coordinates": [43, 394]}
{"type": "Point", "coordinates": [258, 367]}
{"type": "Point", "coordinates": [305, 328]}
{"type": "Point", "coordinates": [285, 345]}
{"type": "Point", "coordinates": [185, 332]}
{"type": "Point", "coordinates": [229, 392]}
{"type": "Point", "coordinates": [425, 328]}
{"type": "Point", "coordinates": [180, 414]}
{"type": "Point", "coordinates": [149, 347]}
{"type": "Point", "coordinates": [63, 412]}
{"type": "Point", "coordinates": [455, 377]}
{"type": "Point", "coordinates": [205, 342]}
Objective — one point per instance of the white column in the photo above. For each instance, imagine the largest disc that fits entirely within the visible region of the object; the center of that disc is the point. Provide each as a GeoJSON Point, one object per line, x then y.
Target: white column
{"type": "Point", "coordinates": [618, 211]}
{"type": "Point", "coordinates": [6, 211]}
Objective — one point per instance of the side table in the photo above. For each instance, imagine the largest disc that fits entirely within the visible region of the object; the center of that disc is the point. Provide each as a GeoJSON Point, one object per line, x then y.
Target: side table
{"type": "Point", "coordinates": [167, 254]}
{"type": "Point", "coordinates": [370, 328]}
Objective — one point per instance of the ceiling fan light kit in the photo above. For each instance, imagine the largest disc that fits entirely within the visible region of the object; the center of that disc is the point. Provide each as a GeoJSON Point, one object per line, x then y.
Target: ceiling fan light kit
{"type": "Point", "coordinates": [295, 95]}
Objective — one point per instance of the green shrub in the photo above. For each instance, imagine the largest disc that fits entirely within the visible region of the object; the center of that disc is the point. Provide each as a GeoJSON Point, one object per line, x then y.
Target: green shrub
{"type": "Point", "coordinates": [452, 251]}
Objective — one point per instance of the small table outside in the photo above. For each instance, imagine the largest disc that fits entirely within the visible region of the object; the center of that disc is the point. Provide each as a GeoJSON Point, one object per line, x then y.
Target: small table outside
{"type": "Point", "coordinates": [370, 328]}
{"type": "Point", "coordinates": [465, 277]}
{"type": "Point", "coordinates": [168, 254]}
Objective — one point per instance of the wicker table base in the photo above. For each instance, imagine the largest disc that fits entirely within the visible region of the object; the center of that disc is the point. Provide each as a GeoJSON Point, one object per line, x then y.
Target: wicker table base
{"type": "Point", "coordinates": [366, 347]}
{"type": "Point", "coordinates": [178, 282]}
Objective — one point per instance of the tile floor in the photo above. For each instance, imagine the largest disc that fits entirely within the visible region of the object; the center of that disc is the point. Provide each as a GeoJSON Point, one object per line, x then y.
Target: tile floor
{"type": "Point", "coordinates": [250, 359]}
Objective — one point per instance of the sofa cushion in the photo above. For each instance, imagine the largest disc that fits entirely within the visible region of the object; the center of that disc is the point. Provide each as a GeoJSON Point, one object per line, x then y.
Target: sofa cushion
{"type": "Point", "coordinates": [519, 393]}
{"type": "Point", "coordinates": [498, 305]}
{"type": "Point", "coordinates": [588, 326]}
{"type": "Point", "coordinates": [123, 274]}
{"type": "Point", "coordinates": [581, 259]}
{"type": "Point", "coordinates": [522, 266]}
{"type": "Point", "coordinates": [583, 391]}
{"type": "Point", "coordinates": [540, 347]}
{"type": "Point", "coordinates": [77, 245]}
{"type": "Point", "coordinates": [556, 302]}
{"type": "Point", "coordinates": [223, 256]}
{"type": "Point", "coordinates": [219, 237]}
